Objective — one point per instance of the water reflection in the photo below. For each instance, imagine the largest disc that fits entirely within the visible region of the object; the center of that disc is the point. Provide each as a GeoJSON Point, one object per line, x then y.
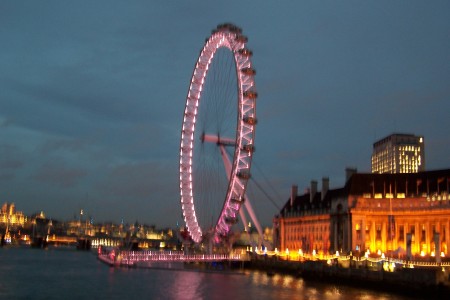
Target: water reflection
{"type": "Point", "coordinates": [174, 284]}
{"type": "Point", "coordinates": [311, 293]}
{"type": "Point", "coordinates": [277, 280]}
{"type": "Point", "coordinates": [74, 275]}
{"type": "Point", "coordinates": [332, 293]}
{"type": "Point", "coordinates": [281, 286]}
{"type": "Point", "coordinates": [188, 285]}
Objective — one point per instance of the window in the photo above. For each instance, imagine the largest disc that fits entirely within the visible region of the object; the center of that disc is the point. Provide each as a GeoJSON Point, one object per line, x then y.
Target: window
{"type": "Point", "coordinates": [367, 232]}
{"type": "Point", "coordinates": [401, 233]}
{"type": "Point", "coordinates": [358, 231]}
{"type": "Point", "coordinates": [412, 230]}
{"type": "Point", "coordinates": [378, 230]}
{"type": "Point", "coordinates": [423, 236]}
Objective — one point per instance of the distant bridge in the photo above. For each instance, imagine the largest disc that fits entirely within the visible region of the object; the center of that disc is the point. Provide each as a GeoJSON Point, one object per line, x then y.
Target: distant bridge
{"type": "Point", "coordinates": [116, 257]}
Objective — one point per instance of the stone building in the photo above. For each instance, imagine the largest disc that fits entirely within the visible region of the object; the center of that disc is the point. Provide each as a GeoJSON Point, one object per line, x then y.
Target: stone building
{"type": "Point", "coordinates": [9, 217]}
{"type": "Point", "coordinates": [396, 214]}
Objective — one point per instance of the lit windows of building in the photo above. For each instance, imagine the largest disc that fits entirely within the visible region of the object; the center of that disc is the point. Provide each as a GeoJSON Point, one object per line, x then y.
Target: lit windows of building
{"type": "Point", "coordinates": [399, 153]}
{"type": "Point", "coordinates": [390, 213]}
{"type": "Point", "coordinates": [10, 217]}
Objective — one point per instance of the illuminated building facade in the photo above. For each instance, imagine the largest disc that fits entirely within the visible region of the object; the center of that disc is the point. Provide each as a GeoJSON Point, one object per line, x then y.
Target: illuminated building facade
{"type": "Point", "coordinates": [399, 153]}
{"type": "Point", "coordinates": [304, 221]}
{"type": "Point", "coordinates": [10, 217]}
{"type": "Point", "coordinates": [397, 214]}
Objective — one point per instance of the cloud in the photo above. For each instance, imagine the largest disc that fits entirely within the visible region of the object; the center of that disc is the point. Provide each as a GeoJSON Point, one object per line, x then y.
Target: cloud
{"type": "Point", "coordinates": [50, 146]}
{"type": "Point", "coordinates": [10, 164]}
{"type": "Point", "coordinates": [10, 157]}
{"type": "Point", "coordinates": [6, 177]}
{"type": "Point", "coordinates": [140, 191]}
{"type": "Point", "coordinates": [59, 175]}
{"type": "Point", "coordinates": [5, 123]}
{"type": "Point", "coordinates": [291, 154]}
{"type": "Point", "coordinates": [135, 180]}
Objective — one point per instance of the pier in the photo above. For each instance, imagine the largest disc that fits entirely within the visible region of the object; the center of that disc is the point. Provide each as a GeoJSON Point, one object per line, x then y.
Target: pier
{"type": "Point", "coordinates": [125, 258]}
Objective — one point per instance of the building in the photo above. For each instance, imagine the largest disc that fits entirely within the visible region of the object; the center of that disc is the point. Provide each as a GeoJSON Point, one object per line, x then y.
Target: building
{"type": "Point", "coordinates": [304, 221]}
{"type": "Point", "coordinates": [9, 217]}
{"type": "Point", "coordinates": [399, 153]}
{"type": "Point", "coordinates": [396, 214]}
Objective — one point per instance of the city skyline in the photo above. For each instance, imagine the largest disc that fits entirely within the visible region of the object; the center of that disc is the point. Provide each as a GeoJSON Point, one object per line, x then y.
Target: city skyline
{"type": "Point", "coordinates": [92, 97]}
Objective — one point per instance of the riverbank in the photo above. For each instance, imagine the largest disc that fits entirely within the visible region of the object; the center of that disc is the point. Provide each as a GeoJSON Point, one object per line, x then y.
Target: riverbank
{"type": "Point", "coordinates": [413, 282]}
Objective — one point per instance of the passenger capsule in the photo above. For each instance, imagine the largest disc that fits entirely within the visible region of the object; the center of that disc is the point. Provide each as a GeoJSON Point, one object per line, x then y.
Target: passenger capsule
{"type": "Point", "coordinates": [248, 148]}
{"type": "Point", "coordinates": [245, 52]}
{"type": "Point", "coordinates": [243, 175]}
{"type": "Point", "coordinates": [234, 28]}
{"type": "Point", "coordinates": [249, 120]}
{"type": "Point", "coordinates": [241, 39]}
{"type": "Point", "coordinates": [250, 94]}
{"type": "Point", "coordinates": [248, 71]}
{"type": "Point", "coordinates": [237, 200]}
{"type": "Point", "coordinates": [230, 220]}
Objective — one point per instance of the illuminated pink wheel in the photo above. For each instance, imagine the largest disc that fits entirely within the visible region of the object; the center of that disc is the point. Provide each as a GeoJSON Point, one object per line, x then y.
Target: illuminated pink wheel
{"type": "Point", "coordinates": [217, 138]}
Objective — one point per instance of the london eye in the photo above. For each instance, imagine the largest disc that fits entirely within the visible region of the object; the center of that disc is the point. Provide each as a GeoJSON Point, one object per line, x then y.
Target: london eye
{"type": "Point", "coordinates": [217, 136]}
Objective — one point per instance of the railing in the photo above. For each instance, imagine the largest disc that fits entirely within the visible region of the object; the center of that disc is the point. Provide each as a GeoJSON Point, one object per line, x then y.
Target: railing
{"type": "Point", "coordinates": [295, 256]}
{"type": "Point", "coordinates": [120, 257]}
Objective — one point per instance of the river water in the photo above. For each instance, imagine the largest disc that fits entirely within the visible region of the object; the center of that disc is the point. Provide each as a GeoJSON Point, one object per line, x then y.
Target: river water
{"type": "Point", "coordinates": [65, 273]}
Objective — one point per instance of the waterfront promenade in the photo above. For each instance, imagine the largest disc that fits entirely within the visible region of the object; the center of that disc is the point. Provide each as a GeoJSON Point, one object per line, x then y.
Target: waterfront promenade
{"type": "Point", "coordinates": [413, 278]}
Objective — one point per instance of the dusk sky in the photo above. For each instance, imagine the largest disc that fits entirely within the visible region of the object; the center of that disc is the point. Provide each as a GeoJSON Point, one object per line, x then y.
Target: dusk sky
{"type": "Point", "coordinates": [92, 95]}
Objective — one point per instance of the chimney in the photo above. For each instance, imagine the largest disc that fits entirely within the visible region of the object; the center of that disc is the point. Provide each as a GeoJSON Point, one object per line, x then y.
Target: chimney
{"type": "Point", "coordinates": [313, 190]}
{"type": "Point", "coordinates": [349, 172]}
{"type": "Point", "coordinates": [325, 187]}
{"type": "Point", "coordinates": [294, 190]}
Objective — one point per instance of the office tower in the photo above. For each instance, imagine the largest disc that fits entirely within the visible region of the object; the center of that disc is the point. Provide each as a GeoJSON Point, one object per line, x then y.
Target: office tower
{"type": "Point", "coordinates": [399, 153]}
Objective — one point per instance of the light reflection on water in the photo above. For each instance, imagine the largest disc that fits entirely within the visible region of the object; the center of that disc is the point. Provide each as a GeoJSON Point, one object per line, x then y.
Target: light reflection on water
{"type": "Point", "coordinates": [332, 293]}
{"type": "Point", "coordinates": [53, 274]}
{"type": "Point", "coordinates": [284, 281]}
{"type": "Point", "coordinates": [187, 286]}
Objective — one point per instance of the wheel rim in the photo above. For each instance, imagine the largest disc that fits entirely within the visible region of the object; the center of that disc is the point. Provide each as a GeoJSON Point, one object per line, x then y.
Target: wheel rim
{"type": "Point", "coordinates": [229, 38]}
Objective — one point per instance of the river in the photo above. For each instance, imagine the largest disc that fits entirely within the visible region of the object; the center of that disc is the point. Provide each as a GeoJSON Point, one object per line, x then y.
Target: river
{"type": "Point", "coordinates": [65, 273]}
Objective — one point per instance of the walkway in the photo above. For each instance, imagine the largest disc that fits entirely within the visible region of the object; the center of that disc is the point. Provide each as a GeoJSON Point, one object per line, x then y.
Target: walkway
{"type": "Point", "coordinates": [116, 257]}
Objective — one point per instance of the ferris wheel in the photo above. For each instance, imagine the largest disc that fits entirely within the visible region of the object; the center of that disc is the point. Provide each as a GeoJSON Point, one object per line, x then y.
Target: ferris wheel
{"type": "Point", "coordinates": [217, 137]}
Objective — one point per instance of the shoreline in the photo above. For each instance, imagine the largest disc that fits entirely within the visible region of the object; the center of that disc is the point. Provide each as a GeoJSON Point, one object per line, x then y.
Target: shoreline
{"type": "Point", "coordinates": [416, 283]}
